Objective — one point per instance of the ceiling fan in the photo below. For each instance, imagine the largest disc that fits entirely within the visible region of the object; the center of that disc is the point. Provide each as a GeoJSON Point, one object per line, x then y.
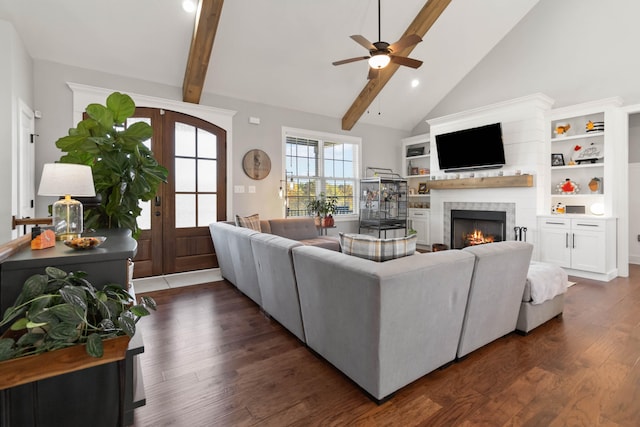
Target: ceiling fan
{"type": "Point", "coordinates": [381, 53]}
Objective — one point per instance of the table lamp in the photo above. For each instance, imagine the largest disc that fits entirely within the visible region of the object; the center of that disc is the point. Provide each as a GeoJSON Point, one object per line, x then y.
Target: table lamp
{"type": "Point", "coordinates": [67, 179]}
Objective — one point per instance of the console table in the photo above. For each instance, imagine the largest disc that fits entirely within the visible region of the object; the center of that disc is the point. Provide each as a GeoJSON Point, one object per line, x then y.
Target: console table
{"type": "Point", "coordinates": [95, 392]}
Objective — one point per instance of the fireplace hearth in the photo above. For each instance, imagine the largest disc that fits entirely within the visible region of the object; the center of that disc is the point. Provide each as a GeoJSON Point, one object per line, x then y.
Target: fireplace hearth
{"type": "Point", "coordinates": [476, 227]}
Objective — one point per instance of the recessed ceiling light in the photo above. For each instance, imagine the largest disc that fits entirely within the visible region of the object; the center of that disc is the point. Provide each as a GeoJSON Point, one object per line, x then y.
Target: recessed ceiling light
{"type": "Point", "coordinates": [415, 83]}
{"type": "Point", "coordinates": [189, 6]}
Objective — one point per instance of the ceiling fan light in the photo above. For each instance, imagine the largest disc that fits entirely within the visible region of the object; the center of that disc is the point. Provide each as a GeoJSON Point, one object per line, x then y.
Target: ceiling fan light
{"type": "Point", "coordinates": [379, 61]}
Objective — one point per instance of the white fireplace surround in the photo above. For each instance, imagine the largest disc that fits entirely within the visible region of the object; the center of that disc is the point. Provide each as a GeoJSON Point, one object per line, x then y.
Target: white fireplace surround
{"type": "Point", "coordinates": [509, 208]}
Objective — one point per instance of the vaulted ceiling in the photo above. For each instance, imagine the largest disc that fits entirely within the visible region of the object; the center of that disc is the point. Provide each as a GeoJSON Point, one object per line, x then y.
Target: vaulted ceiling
{"type": "Point", "coordinates": [276, 52]}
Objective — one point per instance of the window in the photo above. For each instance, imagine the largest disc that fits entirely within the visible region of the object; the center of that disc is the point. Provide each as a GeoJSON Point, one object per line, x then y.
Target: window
{"type": "Point", "coordinates": [316, 163]}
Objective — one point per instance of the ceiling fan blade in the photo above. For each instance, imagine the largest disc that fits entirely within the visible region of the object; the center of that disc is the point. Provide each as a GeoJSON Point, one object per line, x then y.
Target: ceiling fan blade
{"type": "Point", "coordinates": [410, 40]}
{"type": "Point", "coordinates": [408, 62]}
{"type": "Point", "coordinates": [373, 73]}
{"type": "Point", "coordinates": [346, 61]}
{"type": "Point", "coordinates": [362, 41]}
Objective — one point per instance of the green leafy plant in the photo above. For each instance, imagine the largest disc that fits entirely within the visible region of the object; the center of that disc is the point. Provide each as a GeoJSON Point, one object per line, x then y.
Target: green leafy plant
{"type": "Point", "coordinates": [125, 171]}
{"type": "Point", "coordinates": [323, 205]}
{"type": "Point", "coordinates": [58, 309]}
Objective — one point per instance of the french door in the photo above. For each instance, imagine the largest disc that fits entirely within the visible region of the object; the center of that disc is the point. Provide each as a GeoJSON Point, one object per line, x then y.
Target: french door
{"type": "Point", "coordinates": [175, 236]}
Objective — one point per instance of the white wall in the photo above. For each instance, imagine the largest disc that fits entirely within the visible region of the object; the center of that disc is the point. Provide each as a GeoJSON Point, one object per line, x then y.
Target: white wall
{"type": "Point", "coordinates": [16, 77]}
{"type": "Point", "coordinates": [54, 99]}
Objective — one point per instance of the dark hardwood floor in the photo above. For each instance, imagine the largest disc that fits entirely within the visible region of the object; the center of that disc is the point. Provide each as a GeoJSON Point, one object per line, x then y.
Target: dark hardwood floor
{"type": "Point", "coordinates": [213, 359]}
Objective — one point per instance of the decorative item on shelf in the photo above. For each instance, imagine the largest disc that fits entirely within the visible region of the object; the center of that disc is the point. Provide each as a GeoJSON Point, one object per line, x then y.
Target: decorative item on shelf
{"type": "Point", "coordinates": [423, 171]}
{"type": "Point", "coordinates": [557, 159]}
{"type": "Point", "coordinates": [568, 187]}
{"type": "Point", "coordinates": [595, 185]}
{"type": "Point", "coordinates": [590, 153]}
{"type": "Point", "coordinates": [562, 129]}
{"type": "Point", "coordinates": [42, 239]}
{"type": "Point", "coordinates": [594, 126]}
{"type": "Point", "coordinates": [422, 188]}
{"type": "Point", "coordinates": [82, 243]}
{"type": "Point", "coordinates": [67, 179]}
{"type": "Point", "coordinates": [597, 208]}
{"type": "Point", "coordinates": [559, 208]}
{"type": "Point", "coordinates": [415, 151]}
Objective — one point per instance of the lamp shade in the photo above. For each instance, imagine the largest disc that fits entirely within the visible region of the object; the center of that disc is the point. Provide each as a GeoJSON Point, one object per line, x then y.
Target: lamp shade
{"type": "Point", "coordinates": [61, 179]}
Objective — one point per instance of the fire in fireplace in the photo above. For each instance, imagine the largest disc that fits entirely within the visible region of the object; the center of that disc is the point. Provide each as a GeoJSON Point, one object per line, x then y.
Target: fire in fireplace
{"type": "Point", "coordinates": [477, 237]}
{"type": "Point", "coordinates": [472, 227]}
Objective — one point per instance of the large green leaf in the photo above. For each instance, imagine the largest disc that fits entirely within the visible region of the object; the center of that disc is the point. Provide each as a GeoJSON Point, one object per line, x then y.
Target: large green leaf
{"type": "Point", "coordinates": [75, 296]}
{"type": "Point", "coordinates": [94, 345]}
{"type": "Point", "coordinates": [127, 323]}
{"type": "Point", "coordinates": [29, 339]}
{"type": "Point", "coordinates": [149, 302]}
{"type": "Point", "coordinates": [6, 348]}
{"type": "Point", "coordinates": [44, 317]}
{"type": "Point", "coordinates": [138, 132]}
{"type": "Point", "coordinates": [64, 332]}
{"type": "Point", "coordinates": [67, 313]}
{"type": "Point", "coordinates": [140, 310]}
{"type": "Point", "coordinates": [33, 287]}
{"type": "Point", "coordinates": [121, 105]}
{"type": "Point", "coordinates": [102, 115]}
{"type": "Point", "coordinates": [55, 273]}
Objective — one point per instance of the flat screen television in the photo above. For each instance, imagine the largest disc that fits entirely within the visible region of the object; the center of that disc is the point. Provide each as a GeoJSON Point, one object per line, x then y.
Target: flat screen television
{"type": "Point", "coordinates": [471, 149]}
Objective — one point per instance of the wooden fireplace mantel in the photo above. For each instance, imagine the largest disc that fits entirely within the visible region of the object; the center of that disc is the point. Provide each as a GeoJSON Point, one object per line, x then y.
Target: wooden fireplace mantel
{"type": "Point", "coordinates": [481, 182]}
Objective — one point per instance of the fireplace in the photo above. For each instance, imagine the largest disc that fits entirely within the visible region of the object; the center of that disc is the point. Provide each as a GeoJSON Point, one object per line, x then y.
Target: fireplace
{"type": "Point", "coordinates": [476, 227]}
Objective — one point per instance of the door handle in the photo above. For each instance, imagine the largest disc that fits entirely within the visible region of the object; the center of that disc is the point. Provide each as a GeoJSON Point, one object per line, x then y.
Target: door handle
{"type": "Point", "coordinates": [157, 213]}
{"type": "Point", "coordinates": [566, 240]}
{"type": "Point", "coordinates": [573, 240]}
{"type": "Point", "coordinates": [157, 200]}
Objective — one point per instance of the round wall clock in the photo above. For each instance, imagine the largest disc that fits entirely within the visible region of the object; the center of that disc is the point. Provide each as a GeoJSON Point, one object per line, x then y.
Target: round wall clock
{"type": "Point", "coordinates": [256, 164]}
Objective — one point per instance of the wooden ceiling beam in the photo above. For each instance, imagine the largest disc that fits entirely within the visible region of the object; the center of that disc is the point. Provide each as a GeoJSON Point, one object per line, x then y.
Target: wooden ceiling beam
{"type": "Point", "coordinates": [429, 13]}
{"type": "Point", "coordinates": [204, 33]}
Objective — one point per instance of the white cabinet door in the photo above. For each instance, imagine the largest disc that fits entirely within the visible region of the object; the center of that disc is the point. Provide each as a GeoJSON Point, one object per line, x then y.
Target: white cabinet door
{"type": "Point", "coordinates": [589, 245]}
{"type": "Point", "coordinates": [420, 223]}
{"type": "Point", "coordinates": [554, 247]}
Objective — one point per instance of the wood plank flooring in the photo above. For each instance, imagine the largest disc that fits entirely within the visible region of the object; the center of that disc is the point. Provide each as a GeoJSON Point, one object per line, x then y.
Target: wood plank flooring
{"type": "Point", "coordinates": [213, 359]}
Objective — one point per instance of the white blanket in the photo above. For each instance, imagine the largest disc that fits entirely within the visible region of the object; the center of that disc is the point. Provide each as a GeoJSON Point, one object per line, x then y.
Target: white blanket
{"type": "Point", "coordinates": [546, 281]}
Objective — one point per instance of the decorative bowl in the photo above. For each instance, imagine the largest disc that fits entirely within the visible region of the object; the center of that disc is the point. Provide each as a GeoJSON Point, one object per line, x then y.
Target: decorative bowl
{"type": "Point", "coordinates": [89, 242]}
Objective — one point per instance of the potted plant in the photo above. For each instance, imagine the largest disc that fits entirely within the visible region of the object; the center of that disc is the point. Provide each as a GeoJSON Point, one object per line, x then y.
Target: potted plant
{"type": "Point", "coordinates": [57, 310]}
{"type": "Point", "coordinates": [125, 171]}
{"type": "Point", "coordinates": [323, 207]}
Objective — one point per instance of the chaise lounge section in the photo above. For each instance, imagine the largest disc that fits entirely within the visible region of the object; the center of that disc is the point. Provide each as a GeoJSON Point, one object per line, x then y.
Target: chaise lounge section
{"type": "Point", "coordinates": [495, 294]}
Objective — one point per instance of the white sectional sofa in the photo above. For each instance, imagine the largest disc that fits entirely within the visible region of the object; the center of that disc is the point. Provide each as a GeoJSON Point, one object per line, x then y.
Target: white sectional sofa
{"type": "Point", "coordinates": [383, 324]}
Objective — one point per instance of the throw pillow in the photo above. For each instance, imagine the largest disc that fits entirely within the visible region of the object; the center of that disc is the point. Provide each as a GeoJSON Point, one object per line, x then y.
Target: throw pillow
{"type": "Point", "coordinates": [252, 222]}
{"type": "Point", "coordinates": [374, 249]}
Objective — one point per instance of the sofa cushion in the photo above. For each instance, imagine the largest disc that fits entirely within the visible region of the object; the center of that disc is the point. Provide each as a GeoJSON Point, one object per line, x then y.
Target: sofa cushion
{"type": "Point", "coordinates": [363, 246]}
{"type": "Point", "coordinates": [251, 222]}
{"type": "Point", "coordinates": [297, 228]}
